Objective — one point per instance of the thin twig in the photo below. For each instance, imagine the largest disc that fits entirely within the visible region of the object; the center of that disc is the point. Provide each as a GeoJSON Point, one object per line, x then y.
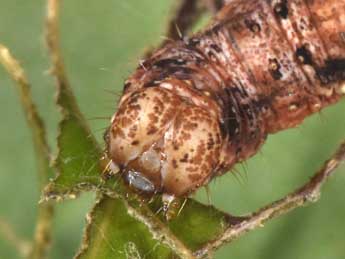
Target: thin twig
{"type": "Point", "coordinates": [186, 13]}
{"type": "Point", "coordinates": [22, 246]}
{"type": "Point", "coordinates": [52, 40]}
{"type": "Point", "coordinates": [65, 99]}
{"type": "Point", "coordinates": [42, 234]}
{"type": "Point", "coordinates": [310, 192]}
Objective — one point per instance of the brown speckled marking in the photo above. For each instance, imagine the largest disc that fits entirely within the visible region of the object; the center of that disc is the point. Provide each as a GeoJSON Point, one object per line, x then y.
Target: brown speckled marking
{"type": "Point", "coordinates": [137, 124]}
{"type": "Point", "coordinates": [198, 106]}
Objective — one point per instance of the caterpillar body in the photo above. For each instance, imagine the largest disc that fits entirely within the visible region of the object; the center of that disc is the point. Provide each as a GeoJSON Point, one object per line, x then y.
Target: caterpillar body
{"type": "Point", "coordinates": [200, 105]}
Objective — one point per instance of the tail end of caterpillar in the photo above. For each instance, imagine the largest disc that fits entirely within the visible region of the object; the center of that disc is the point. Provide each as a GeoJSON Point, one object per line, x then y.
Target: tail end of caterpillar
{"type": "Point", "coordinates": [164, 143]}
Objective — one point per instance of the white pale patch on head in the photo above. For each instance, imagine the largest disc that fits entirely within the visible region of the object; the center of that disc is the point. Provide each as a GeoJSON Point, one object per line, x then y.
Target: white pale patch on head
{"type": "Point", "coordinates": [166, 86]}
{"type": "Point", "coordinates": [341, 89]}
{"type": "Point", "coordinates": [293, 107]}
{"type": "Point", "coordinates": [150, 160]}
{"type": "Point", "coordinates": [133, 153]}
{"type": "Point", "coordinates": [112, 118]}
{"type": "Point", "coordinates": [317, 106]}
{"type": "Point", "coordinates": [164, 167]}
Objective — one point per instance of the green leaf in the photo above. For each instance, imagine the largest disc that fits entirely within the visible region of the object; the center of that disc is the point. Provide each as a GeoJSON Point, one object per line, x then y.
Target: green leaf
{"type": "Point", "coordinates": [78, 160]}
{"type": "Point", "coordinates": [112, 233]}
{"type": "Point", "coordinates": [197, 224]}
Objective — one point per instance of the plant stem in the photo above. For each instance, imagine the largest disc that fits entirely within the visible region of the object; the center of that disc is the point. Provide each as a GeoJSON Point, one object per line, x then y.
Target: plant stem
{"type": "Point", "coordinates": [185, 13]}
{"type": "Point", "coordinates": [158, 229]}
{"type": "Point", "coordinates": [184, 16]}
{"type": "Point", "coordinates": [42, 234]}
{"type": "Point", "coordinates": [310, 192]}
{"type": "Point", "coordinates": [22, 246]}
{"type": "Point", "coordinates": [65, 98]}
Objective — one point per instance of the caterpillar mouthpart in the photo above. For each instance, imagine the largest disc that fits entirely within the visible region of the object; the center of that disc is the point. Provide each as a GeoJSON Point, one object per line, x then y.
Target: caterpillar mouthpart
{"type": "Point", "coordinates": [164, 143]}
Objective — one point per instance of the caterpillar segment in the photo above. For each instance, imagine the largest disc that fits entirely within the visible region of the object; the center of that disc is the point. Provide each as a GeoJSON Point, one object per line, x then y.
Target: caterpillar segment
{"type": "Point", "coordinates": [200, 105]}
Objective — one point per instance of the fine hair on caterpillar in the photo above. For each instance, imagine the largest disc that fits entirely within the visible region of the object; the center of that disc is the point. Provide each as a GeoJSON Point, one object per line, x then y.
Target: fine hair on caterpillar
{"type": "Point", "coordinates": [198, 106]}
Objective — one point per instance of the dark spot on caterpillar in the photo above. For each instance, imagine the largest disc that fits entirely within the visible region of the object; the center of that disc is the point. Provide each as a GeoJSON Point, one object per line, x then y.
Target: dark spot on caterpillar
{"type": "Point", "coordinates": [180, 72]}
{"type": "Point", "coordinates": [238, 151]}
{"type": "Point", "coordinates": [216, 48]}
{"type": "Point", "coordinates": [250, 115]}
{"type": "Point", "coordinates": [254, 133]}
{"type": "Point", "coordinates": [193, 52]}
{"type": "Point", "coordinates": [174, 163]}
{"type": "Point", "coordinates": [274, 68]}
{"type": "Point", "coordinates": [216, 28]}
{"type": "Point", "coordinates": [135, 142]}
{"type": "Point", "coordinates": [212, 56]}
{"type": "Point", "coordinates": [242, 91]}
{"type": "Point", "coordinates": [133, 98]}
{"type": "Point", "coordinates": [281, 9]}
{"type": "Point", "coordinates": [152, 130]}
{"type": "Point", "coordinates": [210, 143]}
{"type": "Point", "coordinates": [252, 25]}
{"type": "Point", "coordinates": [185, 158]}
{"type": "Point", "coordinates": [304, 56]}
{"type": "Point", "coordinates": [194, 177]}
{"type": "Point", "coordinates": [223, 128]}
{"type": "Point", "coordinates": [152, 83]}
{"type": "Point", "coordinates": [232, 124]}
{"type": "Point", "coordinates": [169, 61]}
{"type": "Point", "coordinates": [193, 42]}
{"type": "Point", "coordinates": [333, 70]}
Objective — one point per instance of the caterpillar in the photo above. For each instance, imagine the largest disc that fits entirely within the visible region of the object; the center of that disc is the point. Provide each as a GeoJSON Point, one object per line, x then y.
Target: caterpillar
{"type": "Point", "coordinates": [199, 105]}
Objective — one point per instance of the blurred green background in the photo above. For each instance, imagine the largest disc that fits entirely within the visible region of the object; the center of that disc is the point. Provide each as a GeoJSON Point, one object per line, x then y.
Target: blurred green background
{"type": "Point", "coordinates": [102, 42]}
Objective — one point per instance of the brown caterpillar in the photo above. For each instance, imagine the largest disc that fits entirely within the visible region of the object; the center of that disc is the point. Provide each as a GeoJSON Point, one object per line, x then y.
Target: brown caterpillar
{"type": "Point", "coordinates": [199, 105]}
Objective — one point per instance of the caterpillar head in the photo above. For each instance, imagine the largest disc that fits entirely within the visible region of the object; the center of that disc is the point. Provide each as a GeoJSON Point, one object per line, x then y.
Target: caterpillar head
{"type": "Point", "coordinates": [164, 143]}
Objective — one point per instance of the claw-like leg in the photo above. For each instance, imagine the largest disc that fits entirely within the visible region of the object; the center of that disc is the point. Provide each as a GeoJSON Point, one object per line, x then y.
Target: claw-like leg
{"type": "Point", "coordinates": [171, 206]}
